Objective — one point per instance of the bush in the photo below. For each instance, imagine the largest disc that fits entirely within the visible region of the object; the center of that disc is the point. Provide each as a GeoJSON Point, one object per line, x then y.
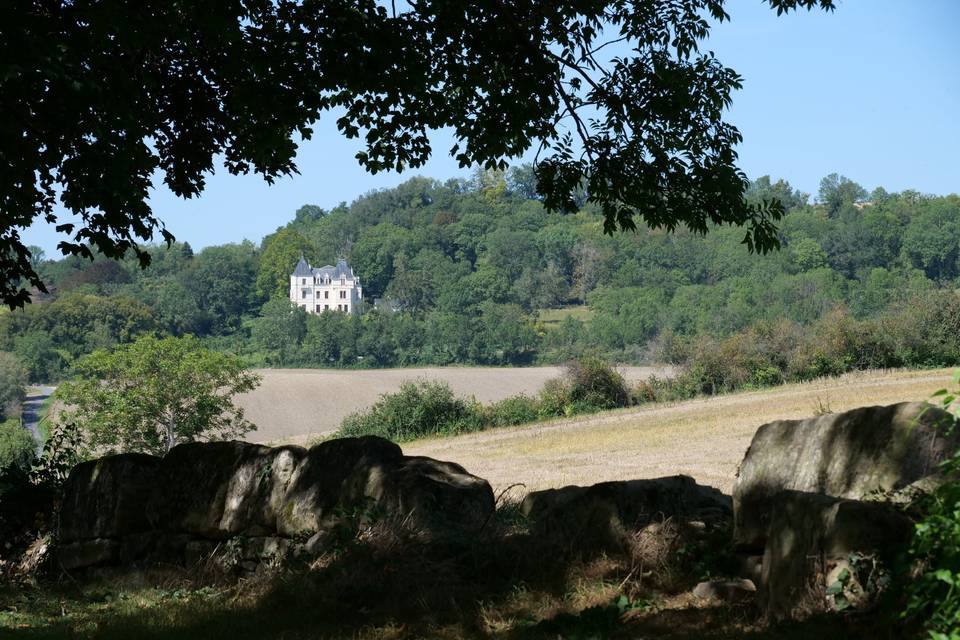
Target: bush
{"type": "Point", "coordinates": [17, 448]}
{"type": "Point", "coordinates": [554, 397]}
{"type": "Point", "coordinates": [592, 383]}
{"type": "Point", "coordinates": [926, 331]}
{"type": "Point", "coordinates": [934, 597]}
{"type": "Point", "coordinates": [421, 408]}
{"type": "Point", "coordinates": [13, 380]}
{"type": "Point", "coordinates": [645, 391]}
{"type": "Point", "coordinates": [512, 411]}
{"type": "Point", "coordinates": [587, 385]}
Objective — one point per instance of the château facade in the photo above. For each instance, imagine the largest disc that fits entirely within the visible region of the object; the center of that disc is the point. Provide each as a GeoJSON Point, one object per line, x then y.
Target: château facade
{"type": "Point", "coordinates": [325, 288]}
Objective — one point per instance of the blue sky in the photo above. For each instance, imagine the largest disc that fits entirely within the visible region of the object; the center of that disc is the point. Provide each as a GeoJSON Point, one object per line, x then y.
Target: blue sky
{"type": "Point", "coordinates": [871, 91]}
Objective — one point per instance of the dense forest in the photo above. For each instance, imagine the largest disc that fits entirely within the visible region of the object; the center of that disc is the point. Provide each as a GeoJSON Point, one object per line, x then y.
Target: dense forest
{"type": "Point", "coordinates": [477, 271]}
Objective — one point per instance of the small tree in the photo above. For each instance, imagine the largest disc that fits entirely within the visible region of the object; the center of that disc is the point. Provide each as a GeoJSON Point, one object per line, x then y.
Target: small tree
{"type": "Point", "coordinates": [154, 393]}
{"type": "Point", "coordinates": [13, 380]}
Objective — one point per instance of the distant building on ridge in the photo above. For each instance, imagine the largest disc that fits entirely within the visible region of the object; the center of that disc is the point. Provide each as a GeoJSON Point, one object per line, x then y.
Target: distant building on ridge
{"type": "Point", "coordinates": [325, 288]}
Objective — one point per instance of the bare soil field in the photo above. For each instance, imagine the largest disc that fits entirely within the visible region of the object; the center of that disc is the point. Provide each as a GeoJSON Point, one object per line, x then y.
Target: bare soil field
{"type": "Point", "coordinates": [294, 405]}
{"type": "Point", "coordinates": [704, 438]}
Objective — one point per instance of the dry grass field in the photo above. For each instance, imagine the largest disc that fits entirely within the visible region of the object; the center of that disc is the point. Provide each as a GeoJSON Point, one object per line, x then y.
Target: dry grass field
{"type": "Point", "coordinates": [295, 405]}
{"type": "Point", "coordinates": [703, 438]}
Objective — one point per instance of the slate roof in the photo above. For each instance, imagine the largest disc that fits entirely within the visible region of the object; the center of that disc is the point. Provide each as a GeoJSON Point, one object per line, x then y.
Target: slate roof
{"type": "Point", "coordinates": [302, 269]}
{"type": "Point", "coordinates": [342, 270]}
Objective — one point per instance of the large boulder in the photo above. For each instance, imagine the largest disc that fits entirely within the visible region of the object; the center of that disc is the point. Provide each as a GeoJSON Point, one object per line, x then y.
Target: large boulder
{"type": "Point", "coordinates": [606, 514]}
{"type": "Point", "coordinates": [435, 495]}
{"type": "Point", "coordinates": [133, 508]}
{"type": "Point", "coordinates": [824, 552]}
{"type": "Point", "coordinates": [105, 498]}
{"type": "Point", "coordinates": [351, 480]}
{"type": "Point", "coordinates": [844, 455]}
{"type": "Point", "coordinates": [86, 553]}
{"type": "Point", "coordinates": [220, 489]}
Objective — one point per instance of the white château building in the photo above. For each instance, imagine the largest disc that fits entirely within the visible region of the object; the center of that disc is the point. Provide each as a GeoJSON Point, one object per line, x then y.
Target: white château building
{"type": "Point", "coordinates": [325, 288]}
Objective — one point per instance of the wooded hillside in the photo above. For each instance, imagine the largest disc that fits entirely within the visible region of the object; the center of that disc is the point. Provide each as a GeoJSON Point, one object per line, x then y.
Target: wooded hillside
{"type": "Point", "coordinates": [485, 275]}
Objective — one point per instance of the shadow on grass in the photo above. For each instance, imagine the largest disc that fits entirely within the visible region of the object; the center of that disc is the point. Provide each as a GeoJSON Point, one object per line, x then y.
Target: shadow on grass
{"type": "Point", "coordinates": [509, 587]}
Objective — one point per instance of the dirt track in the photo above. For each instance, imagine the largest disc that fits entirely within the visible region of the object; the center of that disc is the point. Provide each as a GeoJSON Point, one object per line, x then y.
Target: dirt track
{"type": "Point", "coordinates": [704, 438]}
{"type": "Point", "coordinates": [293, 405]}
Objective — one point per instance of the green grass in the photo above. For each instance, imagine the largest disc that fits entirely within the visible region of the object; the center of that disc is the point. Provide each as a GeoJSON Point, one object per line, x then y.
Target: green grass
{"type": "Point", "coordinates": [551, 318]}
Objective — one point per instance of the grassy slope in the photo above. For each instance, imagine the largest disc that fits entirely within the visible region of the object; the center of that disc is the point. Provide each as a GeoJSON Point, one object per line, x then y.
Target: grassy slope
{"type": "Point", "coordinates": [704, 438]}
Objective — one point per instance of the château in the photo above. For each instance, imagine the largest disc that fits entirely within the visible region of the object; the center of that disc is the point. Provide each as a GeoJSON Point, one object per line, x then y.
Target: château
{"type": "Point", "coordinates": [329, 288]}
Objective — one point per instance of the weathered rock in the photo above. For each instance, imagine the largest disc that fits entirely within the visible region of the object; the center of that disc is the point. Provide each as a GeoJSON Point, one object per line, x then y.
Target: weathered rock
{"type": "Point", "coordinates": [751, 566]}
{"type": "Point", "coordinates": [334, 475]}
{"type": "Point", "coordinates": [87, 553]}
{"type": "Point", "coordinates": [197, 552]}
{"type": "Point", "coordinates": [106, 497]}
{"type": "Point", "coordinates": [249, 500]}
{"type": "Point", "coordinates": [269, 548]}
{"type": "Point", "coordinates": [434, 495]}
{"type": "Point", "coordinates": [812, 537]}
{"type": "Point", "coordinates": [317, 543]}
{"type": "Point", "coordinates": [605, 514]}
{"type": "Point", "coordinates": [725, 590]}
{"type": "Point", "coordinates": [354, 480]}
{"type": "Point", "coordinates": [219, 489]}
{"type": "Point", "coordinates": [845, 455]}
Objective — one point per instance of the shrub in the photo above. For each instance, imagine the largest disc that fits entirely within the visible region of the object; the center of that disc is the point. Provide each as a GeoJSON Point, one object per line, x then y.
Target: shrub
{"type": "Point", "coordinates": [592, 383]}
{"type": "Point", "coordinates": [645, 391]}
{"type": "Point", "coordinates": [13, 379]}
{"type": "Point", "coordinates": [63, 450]}
{"type": "Point", "coordinates": [512, 411]}
{"type": "Point", "coordinates": [934, 597]}
{"type": "Point", "coordinates": [554, 397]}
{"type": "Point", "coordinates": [17, 448]}
{"type": "Point", "coordinates": [419, 409]}
{"type": "Point", "coordinates": [926, 331]}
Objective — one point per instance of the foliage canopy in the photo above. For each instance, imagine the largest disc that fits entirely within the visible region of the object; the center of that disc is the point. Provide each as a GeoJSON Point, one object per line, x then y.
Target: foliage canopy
{"type": "Point", "coordinates": [98, 96]}
{"type": "Point", "coordinates": [154, 393]}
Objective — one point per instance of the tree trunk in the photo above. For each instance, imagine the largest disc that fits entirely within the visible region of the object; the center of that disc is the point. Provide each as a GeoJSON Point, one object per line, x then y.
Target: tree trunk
{"type": "Point", "coordinates": [171, 432]}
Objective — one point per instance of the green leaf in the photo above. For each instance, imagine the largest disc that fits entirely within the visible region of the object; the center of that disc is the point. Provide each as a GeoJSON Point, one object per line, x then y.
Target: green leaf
{"type": "Point", "coordinates": [945, 575]}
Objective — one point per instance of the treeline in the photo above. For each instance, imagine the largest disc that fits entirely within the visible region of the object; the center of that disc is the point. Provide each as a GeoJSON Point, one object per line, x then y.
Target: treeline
{"type": "Point", "coordinates": [482, 274]}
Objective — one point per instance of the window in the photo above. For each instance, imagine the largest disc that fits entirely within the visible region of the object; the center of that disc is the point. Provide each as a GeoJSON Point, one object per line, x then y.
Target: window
{"type": "Point", "coordinates": [326, 307]}
{"type": "Point", "coordinates": [326, 294]}
{"type": "Point", "coordinates": [343, 295]}
{"type": "Point", "coordinates": [303, 281]}
{"type": "Point", "coordinates": [303, 294]}
{"type": "Point", "coordinates": [318, 308]}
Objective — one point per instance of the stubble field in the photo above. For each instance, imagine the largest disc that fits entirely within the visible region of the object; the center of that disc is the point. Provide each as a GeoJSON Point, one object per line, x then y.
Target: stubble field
{"type": "Point", "coordinates": [296, 405]}
{"type": "Point", "coordinates": [704, 438]}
